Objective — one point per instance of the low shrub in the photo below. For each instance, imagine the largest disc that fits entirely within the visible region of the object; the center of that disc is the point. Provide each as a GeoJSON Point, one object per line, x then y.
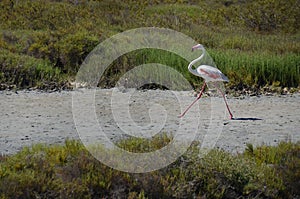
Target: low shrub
{"type": "Point", "coordinates": [70, 171]}
{"type": "Point", "coordinates": [257, 33]}
{"type": "Point", "coordinates": [25, 71]}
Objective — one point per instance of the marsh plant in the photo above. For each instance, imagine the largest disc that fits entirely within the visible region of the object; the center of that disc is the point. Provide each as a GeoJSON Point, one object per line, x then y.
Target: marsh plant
{"type": "Point", "coordinates": [255, 43]}
{"type": "Point", "coordinates": [70, 171]}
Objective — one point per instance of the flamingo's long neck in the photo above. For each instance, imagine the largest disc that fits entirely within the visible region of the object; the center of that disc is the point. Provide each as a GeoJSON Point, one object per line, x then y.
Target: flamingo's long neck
{"type": "Point", "coordinates": [190, 67]}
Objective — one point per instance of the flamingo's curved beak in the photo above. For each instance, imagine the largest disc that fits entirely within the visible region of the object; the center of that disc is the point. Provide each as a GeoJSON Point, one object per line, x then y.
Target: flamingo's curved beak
{"type": "Point", "coordinates": [196, 47]}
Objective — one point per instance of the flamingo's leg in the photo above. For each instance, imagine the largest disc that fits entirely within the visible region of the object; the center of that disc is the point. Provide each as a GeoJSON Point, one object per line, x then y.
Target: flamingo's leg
{"type": "Point", "coordinates": [231, 116]}
{"type": "Point", "coordinates": [198, 97]}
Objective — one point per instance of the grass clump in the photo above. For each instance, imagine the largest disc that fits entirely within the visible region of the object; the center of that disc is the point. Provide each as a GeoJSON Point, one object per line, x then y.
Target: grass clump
{"type": "Point", "coordinates": [285, 158]}
{"type": "Point", "coordinates": [258, 70]}
{"type": "Point", "coordinates": [244, 69]}
{"type": "Point", "coordinates": [25, 71]}
{"type": "Point", "coordinates": [69, 171]}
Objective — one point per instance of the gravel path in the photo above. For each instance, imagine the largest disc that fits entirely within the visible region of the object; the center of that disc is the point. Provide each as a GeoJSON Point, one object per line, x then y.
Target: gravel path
{"type": "Point", "coordinates": [29, 117]}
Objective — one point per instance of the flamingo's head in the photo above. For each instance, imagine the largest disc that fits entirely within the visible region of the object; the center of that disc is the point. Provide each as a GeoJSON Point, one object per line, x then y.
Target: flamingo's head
{"type": "Point", "coordinates": [198, 46]}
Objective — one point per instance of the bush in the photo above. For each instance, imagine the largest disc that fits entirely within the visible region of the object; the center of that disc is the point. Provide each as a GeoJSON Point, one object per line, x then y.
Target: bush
{"type": "Point", "coordinates": [69, 171]}
{"type": "Point", "coordinates": [64, 32]}
{"type": "Point", "coordinates": [25, 71]}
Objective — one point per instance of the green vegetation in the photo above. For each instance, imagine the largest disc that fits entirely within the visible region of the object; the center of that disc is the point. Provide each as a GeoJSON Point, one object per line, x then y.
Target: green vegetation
{"type": "Point", "coordinates": [24, 70]}
{"type": "Point", "coordinates": [69, 171]}
{"type": "Point", "coordinates": [255, 43]}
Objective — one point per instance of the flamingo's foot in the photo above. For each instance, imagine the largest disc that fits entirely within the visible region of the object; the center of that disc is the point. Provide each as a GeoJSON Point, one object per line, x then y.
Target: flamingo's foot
{"type": "Point", "coordinates": [180, 116]}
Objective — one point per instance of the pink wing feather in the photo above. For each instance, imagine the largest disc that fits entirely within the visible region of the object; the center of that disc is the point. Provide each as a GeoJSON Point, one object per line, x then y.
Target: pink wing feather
{"type": "Point", "coordinates": [210, 73]}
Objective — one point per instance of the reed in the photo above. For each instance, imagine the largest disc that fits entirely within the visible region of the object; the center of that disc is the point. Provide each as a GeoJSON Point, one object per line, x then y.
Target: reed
{"type": "Point", "coordinates": [248, 69]}
{"type": "Point", "coordinates": [255, 69]}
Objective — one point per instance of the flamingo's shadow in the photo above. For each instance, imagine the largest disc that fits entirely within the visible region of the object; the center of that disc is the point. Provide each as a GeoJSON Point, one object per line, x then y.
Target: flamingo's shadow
{"type": "Point", "coordinates": [246, 118]}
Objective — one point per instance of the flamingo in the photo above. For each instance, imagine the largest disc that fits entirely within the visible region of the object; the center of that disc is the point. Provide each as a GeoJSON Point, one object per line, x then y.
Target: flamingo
{"type": "Point", "coordinates": [209, 74]}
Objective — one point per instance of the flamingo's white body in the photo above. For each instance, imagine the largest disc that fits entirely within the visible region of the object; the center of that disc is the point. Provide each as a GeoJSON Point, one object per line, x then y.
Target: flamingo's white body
{"type": "Point", "coordinates": [209, 74]}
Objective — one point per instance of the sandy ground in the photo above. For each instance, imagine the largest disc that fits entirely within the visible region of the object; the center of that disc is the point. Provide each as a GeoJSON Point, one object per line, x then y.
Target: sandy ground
{"type": "Point", "coordinates": [29, 117]}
